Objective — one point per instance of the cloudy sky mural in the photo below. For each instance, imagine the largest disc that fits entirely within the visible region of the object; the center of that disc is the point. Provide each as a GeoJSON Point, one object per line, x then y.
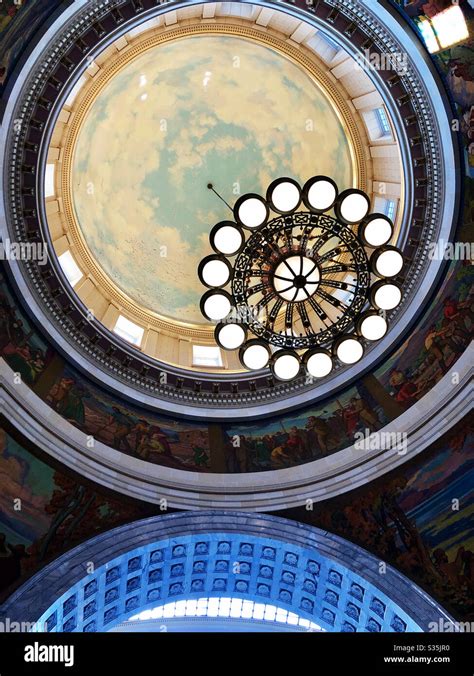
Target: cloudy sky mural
{"type": "Point", "coordinates": [140, 175]}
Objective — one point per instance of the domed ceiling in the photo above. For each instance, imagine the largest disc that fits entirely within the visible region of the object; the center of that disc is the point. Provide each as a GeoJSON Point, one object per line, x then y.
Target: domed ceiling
{"type": "Point", "coordinates": [181, 115]}
{"type": "Point", "coordinates": [187, 105]}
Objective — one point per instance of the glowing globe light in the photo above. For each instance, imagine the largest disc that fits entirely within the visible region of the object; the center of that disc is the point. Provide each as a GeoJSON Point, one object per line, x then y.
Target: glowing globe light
{"type": "Point", "coordinates": [319, 364]}
{"type": "Point", "coordinates": [388, 263]}
{"type": "Point", "coordinates": [284, 195]}
{"type": "Point", "coordinates": [349, 350]}
{"type": "Point", "coordinates": [255, 356]}
{"type": "Point", "coordinates": [373, 327]}
{"type": "Point", "coordinates": [230, 336]}
{"type": "Point", "coordinates": [214, 271]}
{"type": "Point", "coordinates": [386, 296]}
{"type": "Point", "coordinates": [227, 238]}
{"type": "Point", "coordinates": [353, 206]}
{"type": "Point", "coordinates": [216, 306]}
{"type": "Point", "coordinates": [377, 230]}
{"type": "Point", "coordinates": [251, 211]}
{"type": "Point", "coordinates": [285, 365]}
{"type": "Point", "coordinates": [296, 278]}
{"type": "Point", "coordinates": [319, 194]}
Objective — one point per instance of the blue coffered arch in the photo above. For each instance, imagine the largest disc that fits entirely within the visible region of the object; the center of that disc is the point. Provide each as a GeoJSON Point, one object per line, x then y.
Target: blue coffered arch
{"type": "Point", "coordinates": [314, 574]}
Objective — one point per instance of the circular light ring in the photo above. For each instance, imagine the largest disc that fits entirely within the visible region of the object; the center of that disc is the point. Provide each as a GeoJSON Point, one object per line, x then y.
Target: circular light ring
{"type": "Point", "coordinates": [319, 194]}
{"type": "Point", "coordinates": [385, 295]}
{"type": "Point", "coordinates": [251, 271]}
{"type": "Point", "coordinates": [352, 206]}
{"type": "Point", "coordinates": [216, 304]}
{"type": "Point", "coordinates": [215, 271]}
{"type": "Point", "coordinates": [318, 363]}
{"type": "Point", "coordinates": [386, 262]}
{"type": "Point", "coordinates": [284, 195]}
{"type": "Point", "coordinates": [254, 354]}
{"type": "Point", "coordinates": [376, 230]}
{"type": "Point", "coordinates": [251, 211]}
{"type": "Point", "coordinates": [230, 336]}
{"type": "Point", "coordinates": [371, 325]}
{"type": "Point", "coordinates": [285, 364]}
{"type": "Point", "coordinates": [348, 349]}
{"type": "Point", "coordinates": [227, 238]}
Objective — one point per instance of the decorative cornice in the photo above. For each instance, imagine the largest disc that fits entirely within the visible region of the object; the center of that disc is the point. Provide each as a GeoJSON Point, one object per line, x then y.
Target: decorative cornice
{"type": "Point", "coordinates": [420, 426]}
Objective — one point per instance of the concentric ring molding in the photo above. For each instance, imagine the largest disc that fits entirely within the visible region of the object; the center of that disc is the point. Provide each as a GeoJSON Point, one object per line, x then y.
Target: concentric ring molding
{"type": "Point", "coordinates": [436, 217]}
{"type": "Point", "coordinates": [423, 424]}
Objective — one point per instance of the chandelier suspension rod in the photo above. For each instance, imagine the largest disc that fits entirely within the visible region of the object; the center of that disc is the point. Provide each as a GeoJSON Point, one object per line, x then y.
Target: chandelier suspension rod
{"type": "Point", "coordinates": [211, 187]}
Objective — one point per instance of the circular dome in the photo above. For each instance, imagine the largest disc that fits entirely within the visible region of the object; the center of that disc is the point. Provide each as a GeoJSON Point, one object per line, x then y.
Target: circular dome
{"type": "Point", "coordinates": [139, 220]}
{"type": "Point", "coordinates": [125, 369]}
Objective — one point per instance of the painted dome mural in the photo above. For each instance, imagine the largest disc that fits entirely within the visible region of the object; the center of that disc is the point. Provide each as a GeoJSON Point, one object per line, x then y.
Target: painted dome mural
{"type": "Point", "coordinates": [165, 126]}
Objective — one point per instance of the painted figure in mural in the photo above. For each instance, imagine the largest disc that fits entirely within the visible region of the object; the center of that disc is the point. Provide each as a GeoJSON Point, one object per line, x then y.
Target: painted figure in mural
{"type": "Point", "coordinates": [295, 445]}
{"type": "Point", "coordinates": [291, 451]}
{"type": "Point", "coordinates": [150, 440]}
{"type": "Point", "coordinates": [124, 424]}
{"type": "Point", "coordinates": [367, 417]}
{"type": "Point", "coordinates": [351, 418]}
{"type": "Point", "coordinates": [454, 571]}
{"type": "Point", "coordinates": [406, 392]}
{"type": "Point", "coordinates": [11, 557]}
{"type": "Point", "coordinates": [455, 315]}
{"type": "Point", "coordinates": [17, 346]}
{"type": "Point", "coordinates": [158, 441]}
{"type": "Point", "coordinates": [318, 435]}
{"type": "Point", "coordinates": [437, 340]}
{"type": "Point", "coordinates": [201, 458]}
{"type": "Point", "coordinates": [66, 398]}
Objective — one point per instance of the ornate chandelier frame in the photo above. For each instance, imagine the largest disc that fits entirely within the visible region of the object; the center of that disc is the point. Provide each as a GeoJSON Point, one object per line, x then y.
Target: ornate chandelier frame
{"type": "Point", "coordinates": [307, 287]}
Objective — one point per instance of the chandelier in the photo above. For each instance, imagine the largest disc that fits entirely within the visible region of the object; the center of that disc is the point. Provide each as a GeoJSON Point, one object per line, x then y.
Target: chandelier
{"type": "Point", "coordinates": [305, 287]}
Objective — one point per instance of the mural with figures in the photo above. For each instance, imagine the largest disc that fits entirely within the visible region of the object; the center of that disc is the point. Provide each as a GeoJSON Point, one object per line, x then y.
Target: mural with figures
{"type": "Point", "coordinates": [44, 512]}
{"type": "Point", "coordinates": [418, 518]}
{"type": "Point", "coordinates": [163, 441]}
{"type": "Point", "coordinates": [439, 338]}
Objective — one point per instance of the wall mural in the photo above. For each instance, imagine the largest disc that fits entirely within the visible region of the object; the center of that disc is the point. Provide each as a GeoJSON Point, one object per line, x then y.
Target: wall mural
{"type": "Point", "coordinates": [439, 338]}
{"type": "Point", "coordinates": [410, 518]}
{"type": "Point", "coordinates": [164, 441]}
{"type": "Point", "coordinates": [417, 518]}
{"type": "Point", "coordinates": [44, 512]}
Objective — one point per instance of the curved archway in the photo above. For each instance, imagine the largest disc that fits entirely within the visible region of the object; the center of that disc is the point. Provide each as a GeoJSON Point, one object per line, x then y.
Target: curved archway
{"type": "Point", "coordinates": [316, 576]}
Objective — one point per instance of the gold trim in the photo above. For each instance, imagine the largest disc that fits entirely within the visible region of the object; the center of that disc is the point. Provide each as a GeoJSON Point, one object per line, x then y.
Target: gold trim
{"type": "Point", "coordinates": [87, 96]}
